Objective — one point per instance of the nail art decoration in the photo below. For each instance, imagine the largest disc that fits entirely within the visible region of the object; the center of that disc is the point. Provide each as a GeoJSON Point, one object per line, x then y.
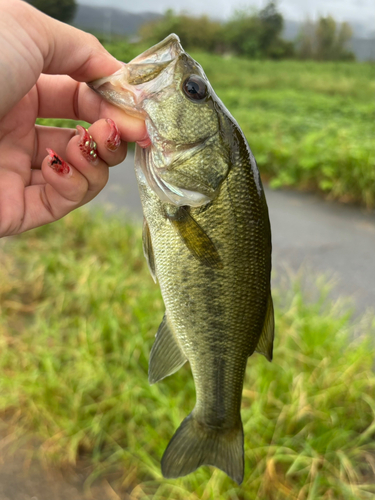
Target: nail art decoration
{"type": "Point", "coordinates": [114, 139]}
{"type": "Point", "coordinates": [57, 163]}
{"type": "Point", "coordinates": [87, 145]}
{"type": "Point", "coordinates": [145, 142]}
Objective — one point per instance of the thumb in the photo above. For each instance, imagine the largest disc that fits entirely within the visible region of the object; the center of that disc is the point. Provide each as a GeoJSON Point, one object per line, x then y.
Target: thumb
{"type": "Point", "coordinates": [70, 51]}
{"type": "Point", "coordinates": [73, 52]}
{"type": "Point", "coordinates": [32, 43]}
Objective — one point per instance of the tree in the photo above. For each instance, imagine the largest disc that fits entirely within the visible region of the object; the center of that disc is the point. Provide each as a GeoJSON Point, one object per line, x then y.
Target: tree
{"type": "Point", "coordinates": [343, 37]}
{"type": "Point", "coordinates": [63, 10]}
{"type": "Point", "coordinates": [325, 33]}
{"type": "Point", "coordinates": [305, 40]}
{"type": "Point", "coordinates": [257, 34]}
{"type": "Point", "coordinates": [251, 33]}
{"type": "Point", "coordinates": [271, 23]}
{"type": "Point", "coordinates": [243, 32]}
{"type": "Point", "coordinates": [324, 40]}
{"type": "Point", "coordinates": [194, 32]}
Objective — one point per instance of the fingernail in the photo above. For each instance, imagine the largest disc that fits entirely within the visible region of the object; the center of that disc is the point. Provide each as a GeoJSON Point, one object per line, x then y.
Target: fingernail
{"type": "Point", "coordinates": [145, 142]}
{"type": "Point", "coordinates": [87, 145]}
{"type": "Point", "coordinates": [57, 163]}
{"type": "Point", "coordinates": [114, 139]}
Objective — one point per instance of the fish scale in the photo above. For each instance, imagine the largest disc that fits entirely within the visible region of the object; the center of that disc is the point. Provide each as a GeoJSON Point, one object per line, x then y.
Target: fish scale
{"type": "Point", "coordinates": [207, 242]}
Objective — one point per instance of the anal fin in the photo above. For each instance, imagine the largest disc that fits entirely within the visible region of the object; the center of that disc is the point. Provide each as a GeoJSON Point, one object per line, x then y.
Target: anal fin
{"type": "Point", "coordinates": [166, 355]}
{"type": "Point", "coordinates": [265, 343]}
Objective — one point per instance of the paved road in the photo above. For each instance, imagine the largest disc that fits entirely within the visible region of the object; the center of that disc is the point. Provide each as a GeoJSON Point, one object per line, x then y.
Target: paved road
{"type": "Point", "coordinates": [324, 237]}
{"type": "Point", "coordinates": [24, 478]}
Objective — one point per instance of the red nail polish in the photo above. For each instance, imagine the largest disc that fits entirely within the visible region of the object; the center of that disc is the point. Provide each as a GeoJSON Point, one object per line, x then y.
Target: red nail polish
{"type": "Point", "coordinates": [87, 145]}
{"type": "Point", "coordinates": [57, 163]}
{"type": "Point", "coordinates": [114, 139]}
{"type": "Point", "coordinates": [145, 142]}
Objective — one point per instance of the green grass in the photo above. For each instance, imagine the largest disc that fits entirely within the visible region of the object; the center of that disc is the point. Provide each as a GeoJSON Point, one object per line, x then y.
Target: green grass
{"type": "Point", "coordinates": [310, 125]}
{"type": "Point", "coordinates": [61, 122]}
{"type": "Point", "coordinates": [78, 315]}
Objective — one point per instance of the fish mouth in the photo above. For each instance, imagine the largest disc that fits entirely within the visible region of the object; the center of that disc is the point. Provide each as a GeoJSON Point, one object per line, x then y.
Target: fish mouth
{"type": "Point", "coordinates": [141, 77]}
{"type": "Point", "coordinates": [166, 50]}
{"type": "Point", "coordinates": [127, 89]}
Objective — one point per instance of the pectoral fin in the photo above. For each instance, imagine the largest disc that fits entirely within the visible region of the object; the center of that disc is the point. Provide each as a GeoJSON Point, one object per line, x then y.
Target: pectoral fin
{"type": "Point", "coordinates": [195, 238]}
{"type": "Point", "coordinates": [166, 355]}
{"type": "Point", "coordinates": [265, 343]}
{"type": "Point", "coordinates": [147, 249]}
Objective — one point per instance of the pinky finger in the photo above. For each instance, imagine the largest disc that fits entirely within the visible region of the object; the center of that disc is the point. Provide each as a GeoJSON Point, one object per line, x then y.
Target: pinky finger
{"type": "Point", "coordinates": [68, 183]}
{"type": "Point", "coordinates": [63, 190]}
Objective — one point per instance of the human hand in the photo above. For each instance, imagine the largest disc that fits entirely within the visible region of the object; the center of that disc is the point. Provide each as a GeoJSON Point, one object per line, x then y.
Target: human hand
{"type": "Point", "coordinates": [42, 62]}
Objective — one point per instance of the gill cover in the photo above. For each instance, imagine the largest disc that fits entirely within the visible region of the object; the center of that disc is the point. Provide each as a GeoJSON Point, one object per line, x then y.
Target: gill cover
{"type": "Point", "coordinates": [169, 90]}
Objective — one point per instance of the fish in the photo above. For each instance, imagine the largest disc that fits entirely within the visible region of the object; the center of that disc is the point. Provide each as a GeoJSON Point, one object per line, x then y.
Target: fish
{"type": "Point", "coordinates": [207, 242]}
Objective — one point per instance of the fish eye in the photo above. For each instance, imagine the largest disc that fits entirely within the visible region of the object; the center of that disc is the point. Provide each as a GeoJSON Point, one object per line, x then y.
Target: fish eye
{"type": "Point", "coordinates": [195, 88]}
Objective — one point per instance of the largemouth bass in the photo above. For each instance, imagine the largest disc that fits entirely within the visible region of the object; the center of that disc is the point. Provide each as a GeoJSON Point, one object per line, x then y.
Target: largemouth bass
{"type": "Point", "coordinates": [207, 241]}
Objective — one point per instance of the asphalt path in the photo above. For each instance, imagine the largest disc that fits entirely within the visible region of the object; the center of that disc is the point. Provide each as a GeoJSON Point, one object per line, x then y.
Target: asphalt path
{"type": "Point", "coordinates": [308, 233]}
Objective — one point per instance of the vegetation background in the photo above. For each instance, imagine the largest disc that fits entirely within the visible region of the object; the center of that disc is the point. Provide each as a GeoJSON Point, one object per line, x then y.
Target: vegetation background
{"type": "Point", "coordinates": [78, 315]}
{"type": "Point", "coordinates": [306, 107]}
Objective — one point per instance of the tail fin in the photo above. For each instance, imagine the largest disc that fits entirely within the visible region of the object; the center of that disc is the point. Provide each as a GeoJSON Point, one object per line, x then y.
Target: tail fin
{"type": "Point", "coordinates": [195, 444]}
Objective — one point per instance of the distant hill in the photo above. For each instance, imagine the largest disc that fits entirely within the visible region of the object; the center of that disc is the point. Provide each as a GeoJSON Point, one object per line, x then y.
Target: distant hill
{"type": "Point", "coordinates": [110, 21]}
{"type": "Point", "coordinates": [107, 20]}
{"type": "Point", "coordinates": [363, 48]}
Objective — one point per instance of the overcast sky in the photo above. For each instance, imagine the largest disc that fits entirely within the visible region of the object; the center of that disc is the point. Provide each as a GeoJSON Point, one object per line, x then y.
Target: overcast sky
{"type": "Point", "coordinates": [362, 11]}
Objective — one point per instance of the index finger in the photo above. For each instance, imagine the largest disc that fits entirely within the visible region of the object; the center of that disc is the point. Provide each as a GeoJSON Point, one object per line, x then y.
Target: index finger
{"type": "Point", "coordinates": [62, 97]}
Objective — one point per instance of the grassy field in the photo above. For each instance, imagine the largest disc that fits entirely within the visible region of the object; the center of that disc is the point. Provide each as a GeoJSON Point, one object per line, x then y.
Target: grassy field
{"type": "Point", "coordinates": [77, 321]}
{"type": "Point", "coordinates": [310, 125]}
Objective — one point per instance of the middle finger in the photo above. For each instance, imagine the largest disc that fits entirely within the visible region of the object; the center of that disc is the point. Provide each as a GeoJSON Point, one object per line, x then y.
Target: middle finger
{"type": "Point", "coordinates": [105, 133]}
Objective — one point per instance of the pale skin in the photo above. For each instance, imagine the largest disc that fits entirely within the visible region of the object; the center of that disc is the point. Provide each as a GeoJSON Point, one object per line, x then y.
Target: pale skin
{"type": "Point", "coordinates": [43, 64]}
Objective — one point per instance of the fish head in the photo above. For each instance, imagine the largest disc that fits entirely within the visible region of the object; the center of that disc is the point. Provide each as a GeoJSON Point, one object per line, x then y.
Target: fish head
{"type": "Point", "coordinates": [170, 91]}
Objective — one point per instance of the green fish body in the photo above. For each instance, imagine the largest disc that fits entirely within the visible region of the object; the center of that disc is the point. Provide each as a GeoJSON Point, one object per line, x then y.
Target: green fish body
{"type": "Point", "coordinates": [207, 241]}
